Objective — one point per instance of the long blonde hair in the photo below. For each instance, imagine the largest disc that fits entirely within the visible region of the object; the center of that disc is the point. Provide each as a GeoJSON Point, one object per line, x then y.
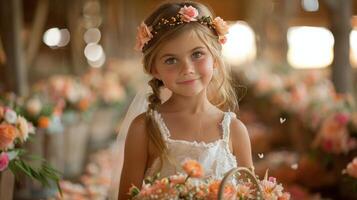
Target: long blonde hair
{"type": "Point", "coordinates": [225, 99]}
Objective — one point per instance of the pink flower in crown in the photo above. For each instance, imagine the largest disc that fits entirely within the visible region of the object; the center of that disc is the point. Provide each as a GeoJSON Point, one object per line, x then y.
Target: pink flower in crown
{"type": "Point", "coordinates": [188, 14]}
{"type": "Point", "coordinates": [143, 36]}
{"type": "Point", "coordinates": [220, 26]}
{"type": "Point", "coordinates": [4, 161]}
{"type": "Point", "coordinates": [222, 39]}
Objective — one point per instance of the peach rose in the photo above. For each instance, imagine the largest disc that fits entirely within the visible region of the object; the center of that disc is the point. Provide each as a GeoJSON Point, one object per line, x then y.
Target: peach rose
{"type": "Point", "coordinates": [213, 189]}
{"type": "Point", "coordinates": [352, 168]}
{"type": "Point", "coordinates": [188, 14]}
{"type": "Point", "coordinates": [143, 36]}
{"type": "Point", "coordinates": [220, 26]}
{"type": "Point", "coordinates": [23, 127]}
{"type": "Point", "coordinates": [8, 133]}
{"type": "Point", "coordinates": [33, 106]}
{"type": "Point", "coordinates": [193, 168]}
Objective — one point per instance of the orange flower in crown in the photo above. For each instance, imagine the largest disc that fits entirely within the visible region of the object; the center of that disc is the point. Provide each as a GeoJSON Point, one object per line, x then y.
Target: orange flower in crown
{"type": "Point", "coordinates": [186, 14]}
{"type": "Point", "coordinates": [193, 168]}
{"type": "Point", "coordinates": [221, 28]}
{"type": "Point", "coordinates": [143, 36]}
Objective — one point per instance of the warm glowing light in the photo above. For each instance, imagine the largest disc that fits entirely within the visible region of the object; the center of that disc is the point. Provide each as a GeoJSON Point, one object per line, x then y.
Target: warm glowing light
{"type": "Point", "coordinates": [97, 63]}
{"type": "Point", "coordinates": [310, 47]}
{"type": "Point", "coordinates": [93, 52]}
{"type": "Point", "coordinates": [240, 46]}
{"type": "Point", "coordinates": [55, 37]}
{"type": "Point", "coordinates": [52, 37]}
{"type": "Point", "coordinates": [310, 5]}
{"type": "Point", "coordinates": [353, 47]}
{"type": "Point", "coordinates": [65, 38]}
{"type": "Point", "coordinates": [92, 35]}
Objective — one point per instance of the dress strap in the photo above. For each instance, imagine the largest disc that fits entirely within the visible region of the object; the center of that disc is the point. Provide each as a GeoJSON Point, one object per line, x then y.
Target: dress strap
{"type": "Point", "coordinates": [160, 122]}
{"type": "Point", "coordinates": [226, 125]}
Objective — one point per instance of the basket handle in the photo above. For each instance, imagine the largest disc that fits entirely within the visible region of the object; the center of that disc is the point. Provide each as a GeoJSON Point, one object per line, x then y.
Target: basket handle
{"type": "Point", "coordinates": [237, 170]}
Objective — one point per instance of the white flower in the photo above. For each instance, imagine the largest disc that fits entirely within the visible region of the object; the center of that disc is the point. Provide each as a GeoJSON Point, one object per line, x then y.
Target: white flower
{"type": "Point", "coordinates": [10, 116]}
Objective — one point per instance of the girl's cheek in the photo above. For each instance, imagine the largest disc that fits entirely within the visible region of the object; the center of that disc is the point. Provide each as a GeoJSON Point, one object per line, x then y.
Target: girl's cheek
{"type": "Point", "coordinates": [205, 65]}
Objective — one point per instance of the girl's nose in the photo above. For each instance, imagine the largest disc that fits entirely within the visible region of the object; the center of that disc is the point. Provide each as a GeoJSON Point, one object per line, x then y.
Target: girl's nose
{"type": "Point", "coordinates": [188, 68]}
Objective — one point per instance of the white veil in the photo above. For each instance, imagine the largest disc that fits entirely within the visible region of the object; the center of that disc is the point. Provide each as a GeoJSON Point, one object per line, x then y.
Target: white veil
{"type": "Point", "coordinates": [138, 105]}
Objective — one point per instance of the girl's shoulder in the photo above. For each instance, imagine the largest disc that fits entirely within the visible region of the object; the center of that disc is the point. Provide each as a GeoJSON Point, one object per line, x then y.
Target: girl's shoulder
{"type": "Point", "coordinates": [237, 127]}
{"type": "Point", "coordinates": [137, 127]}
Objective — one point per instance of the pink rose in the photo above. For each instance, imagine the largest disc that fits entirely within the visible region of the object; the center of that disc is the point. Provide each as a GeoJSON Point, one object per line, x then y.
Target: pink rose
{"type": "Point", "coordinates": [143, 36]}
{"type": "Point", "coordinates": [222, 39]}
{"type": "Point", "coordinates": [342, 118]}
{"type": "Point", "coordinates": [4, 161]}
{"type": "Point", "coordinates": [220, 26]}
{"type": "Point", "coordinates": [188, 13]}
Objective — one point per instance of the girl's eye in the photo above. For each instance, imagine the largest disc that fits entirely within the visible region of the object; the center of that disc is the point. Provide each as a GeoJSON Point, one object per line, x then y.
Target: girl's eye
{"type": "Point", "coordinates": [170, 61]}
{"type": "Point", "coordinates": [197, 54]}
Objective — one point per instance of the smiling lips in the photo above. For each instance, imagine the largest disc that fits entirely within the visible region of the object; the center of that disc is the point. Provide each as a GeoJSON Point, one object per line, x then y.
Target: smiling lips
{"type": "Point", "coordinates": [189, 81]}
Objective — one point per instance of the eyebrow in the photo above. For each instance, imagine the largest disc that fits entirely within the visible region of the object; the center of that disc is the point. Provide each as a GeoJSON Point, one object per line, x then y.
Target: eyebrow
{"type": "Point", "coordinates": [170, 54]}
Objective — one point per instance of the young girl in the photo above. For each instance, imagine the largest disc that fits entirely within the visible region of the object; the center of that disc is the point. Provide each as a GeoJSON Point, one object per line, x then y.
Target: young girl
{"type": "Point", "coordinates": [181, 43]}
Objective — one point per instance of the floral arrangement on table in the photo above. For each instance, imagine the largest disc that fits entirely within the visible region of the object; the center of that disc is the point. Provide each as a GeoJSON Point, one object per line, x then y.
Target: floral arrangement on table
{"type": "Point", "coordinates": [193, 185]}
{"type": "Point", "coordinates": [69, 95]}
{"type": "Point", "coordinates": [107, 86]}
{"type": "Point", "coordinates": [73, 92]}
{"type": "Point", "coordinates": [324, 122]}
{"type": "Point", "coordinates": [14, 132]}
{"type": "Point", "coordinates": [308, 98]}
{"type": "Point", "coordinates": [42, 113]}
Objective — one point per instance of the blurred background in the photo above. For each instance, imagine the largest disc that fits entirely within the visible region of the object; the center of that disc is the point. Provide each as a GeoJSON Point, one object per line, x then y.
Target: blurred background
{"type": "Point", "coordinates": [69, 68]}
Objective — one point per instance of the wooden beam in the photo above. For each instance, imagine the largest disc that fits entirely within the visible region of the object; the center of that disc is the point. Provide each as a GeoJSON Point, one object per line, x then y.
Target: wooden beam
{"type": "Point", "coordinates": [341, 14]}
{"type": "Point", "coordinates": [37, 28]}
{"type": "Point", "coordinates": [10, 30]}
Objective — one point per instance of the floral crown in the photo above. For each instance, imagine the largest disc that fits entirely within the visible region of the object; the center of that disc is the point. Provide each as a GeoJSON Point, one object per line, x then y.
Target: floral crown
{"type": "Point", "coordinates": [185, 15]}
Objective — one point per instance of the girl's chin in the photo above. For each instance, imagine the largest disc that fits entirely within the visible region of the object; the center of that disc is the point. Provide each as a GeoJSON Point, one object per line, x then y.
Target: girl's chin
{"type": "Point", "coordinates": [189, 92]}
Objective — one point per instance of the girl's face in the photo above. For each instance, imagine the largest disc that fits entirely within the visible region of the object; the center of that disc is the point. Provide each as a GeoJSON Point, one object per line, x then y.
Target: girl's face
{"type": "Point", "coordinates": [184, 64]}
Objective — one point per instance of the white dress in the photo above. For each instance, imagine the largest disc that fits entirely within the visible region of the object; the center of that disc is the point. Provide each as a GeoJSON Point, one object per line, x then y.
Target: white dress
{"type": "Point", "coordinates": [215, 157]}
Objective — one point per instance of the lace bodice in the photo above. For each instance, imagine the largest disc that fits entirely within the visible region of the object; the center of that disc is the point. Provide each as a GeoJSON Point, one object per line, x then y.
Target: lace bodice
{"type": "Point", "coordinates": [215, 157]}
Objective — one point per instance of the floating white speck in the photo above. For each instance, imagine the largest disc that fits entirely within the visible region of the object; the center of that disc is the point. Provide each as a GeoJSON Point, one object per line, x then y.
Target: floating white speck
{"type": "Point", "coordinates": [294, 166]}
{"type": "Point", "coordinates": [282, 120]}
{"type": "Point", "coordinates": [260, 155]}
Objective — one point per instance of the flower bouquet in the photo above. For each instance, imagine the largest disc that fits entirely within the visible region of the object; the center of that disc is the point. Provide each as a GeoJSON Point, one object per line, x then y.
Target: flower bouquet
{"type": "Point", "coordinates": [193, 185]}
{"type": "Point", "coordinates": [14, 133]}
{"type": "Point", "coordinates": [111, 96]}
{"type": "Point", "coordinates": [76, 100]}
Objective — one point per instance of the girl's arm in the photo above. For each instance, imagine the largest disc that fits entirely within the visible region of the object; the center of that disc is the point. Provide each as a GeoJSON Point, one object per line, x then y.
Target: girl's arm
{"type": "Point", "coordinates": [241, 143]}
{"type": "Point", "coordinates": [135, 157]}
